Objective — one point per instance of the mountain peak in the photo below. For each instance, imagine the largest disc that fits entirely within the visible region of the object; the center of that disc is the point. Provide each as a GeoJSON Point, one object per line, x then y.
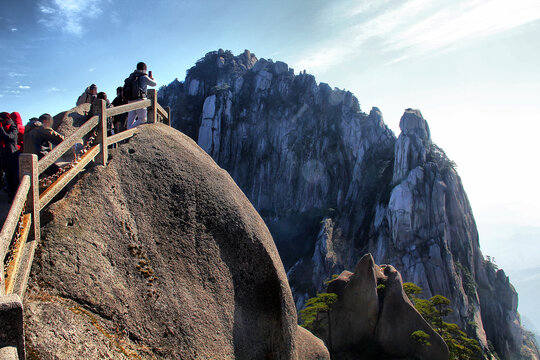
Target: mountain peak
{"type": "Point", "coordinates": [413, 123]}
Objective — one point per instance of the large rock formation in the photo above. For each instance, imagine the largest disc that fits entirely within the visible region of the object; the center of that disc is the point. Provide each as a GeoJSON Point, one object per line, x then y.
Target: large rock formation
{"type": "Point", "coordinates": [333, 183]}
{"type": "Point", "coordinates": [374, 319]}
{"type": "Point", "coordinates": [160, 255]}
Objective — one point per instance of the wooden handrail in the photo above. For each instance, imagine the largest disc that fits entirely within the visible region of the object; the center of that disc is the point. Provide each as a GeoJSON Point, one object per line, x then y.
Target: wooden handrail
{"type": "Point", "coordinates": [31, 168]}
{"type": "Point", "coordinates": [117, 110]}
{"type": "Point", "coordinates": [18, 251]}
{"type": "Point", "coordinates": [12, 219]}
{"type": "Point", "coordinates": [66, 177]}
{"type": "Point", "coordinates": [21, 196]}
{"type": "Point", "coordinates": [65, 145]}
{"type": "Point", "coordinates": [121, 136]}
{"type": "Point", "coordinates": [162, 112]}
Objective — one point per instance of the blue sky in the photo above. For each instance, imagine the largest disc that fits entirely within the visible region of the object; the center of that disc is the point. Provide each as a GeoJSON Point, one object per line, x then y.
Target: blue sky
{"type": "Point", "coordinates": [471, 67]}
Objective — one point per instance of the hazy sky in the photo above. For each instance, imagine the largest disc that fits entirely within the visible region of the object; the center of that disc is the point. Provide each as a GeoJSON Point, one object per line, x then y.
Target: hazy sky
{"type": "Point", "coordinates": [471, 67]}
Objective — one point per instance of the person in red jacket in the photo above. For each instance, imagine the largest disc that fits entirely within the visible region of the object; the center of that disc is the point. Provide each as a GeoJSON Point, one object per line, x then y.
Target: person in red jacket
{"type": "Point", "coordinates": [9, 155]}
{"type": "Point", "coordinates": [16, 117]}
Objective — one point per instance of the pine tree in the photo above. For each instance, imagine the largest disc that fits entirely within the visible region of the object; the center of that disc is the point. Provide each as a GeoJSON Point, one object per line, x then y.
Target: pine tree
{"type": "Point", "coordinates": [433, 310]}
{"type": "Point", "coordinates": [322, 303]}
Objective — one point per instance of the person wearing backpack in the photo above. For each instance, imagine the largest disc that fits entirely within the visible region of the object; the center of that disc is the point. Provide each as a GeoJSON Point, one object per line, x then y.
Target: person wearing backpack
{"type": "Point", "coordinates": [135, 88]}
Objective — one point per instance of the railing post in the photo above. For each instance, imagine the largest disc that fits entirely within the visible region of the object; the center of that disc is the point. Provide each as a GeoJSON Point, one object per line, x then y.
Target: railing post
{"type": "Point", "coordinates": [102, 157]}
{"type": "Point", "coordinates": [168, 121]}
{"type": "Point", "coordinates": [28, 165]}
{"type": "Point", "coordinates": [152, 110]}
{"type": "Point", "coordinates": [11, 328]}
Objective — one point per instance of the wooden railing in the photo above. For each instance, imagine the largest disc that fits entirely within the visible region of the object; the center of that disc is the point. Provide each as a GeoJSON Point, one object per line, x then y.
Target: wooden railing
{"type": "Point", "coordinates": [23, 219]}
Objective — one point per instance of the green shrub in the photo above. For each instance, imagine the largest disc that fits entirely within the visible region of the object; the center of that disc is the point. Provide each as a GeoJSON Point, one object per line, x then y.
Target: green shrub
{"type": "Point", "coordinates": [421, 337]}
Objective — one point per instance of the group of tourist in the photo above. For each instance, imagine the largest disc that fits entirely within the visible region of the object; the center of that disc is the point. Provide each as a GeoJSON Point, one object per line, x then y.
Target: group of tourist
{"type": "Point", "coordinates": [135, 89]}
{"type": "Point", "coordinates": [38, 137]}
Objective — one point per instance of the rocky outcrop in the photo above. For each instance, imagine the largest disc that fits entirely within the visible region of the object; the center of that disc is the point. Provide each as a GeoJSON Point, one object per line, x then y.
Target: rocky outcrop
{"type": "Point", "coordinates": [499, 300]}
{"type": "Point", "coordinates": [309, 346]}
{"type": "Point", "coordinates": [374, 319]}
{"type": "Point", "coordinates": [160, 255]}
{"type": "Point", "coordinates": [333, 183]}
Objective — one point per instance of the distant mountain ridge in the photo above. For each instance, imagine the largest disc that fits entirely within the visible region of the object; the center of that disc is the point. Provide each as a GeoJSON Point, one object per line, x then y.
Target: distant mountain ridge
{"type": "Point", "coordinates": [333, 183]}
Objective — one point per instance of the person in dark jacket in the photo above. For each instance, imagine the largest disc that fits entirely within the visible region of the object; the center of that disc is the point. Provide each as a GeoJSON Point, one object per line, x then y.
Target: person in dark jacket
{"type": "Point", "coordinates": [30, 125]}
{"type": "Point", "coordinates": [9, 153]}
{"type": "Point", "coordinates": [94, 110]}
{"type": "Point", "coordinates": [95, 105]}
{"type": "Point", "coordinates": [119, 120]}
{"type": "Point", "coordinates": [40, 137]}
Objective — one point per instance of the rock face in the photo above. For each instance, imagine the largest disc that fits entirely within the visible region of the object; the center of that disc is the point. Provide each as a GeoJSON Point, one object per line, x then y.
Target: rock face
{"type": "Point", "coordinates": [368, 322]}
{"type": "Point", "coordinates": [160, 255]}
{"type": "Point", "coordinates": [333, 183]}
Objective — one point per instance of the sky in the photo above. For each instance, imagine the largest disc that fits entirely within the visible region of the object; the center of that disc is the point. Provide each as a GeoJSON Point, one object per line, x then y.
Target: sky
{"type": "Point", "coordinates": [471, 67]}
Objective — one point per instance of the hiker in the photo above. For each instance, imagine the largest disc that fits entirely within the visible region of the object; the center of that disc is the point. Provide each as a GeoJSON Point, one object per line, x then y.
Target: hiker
{"type": "Point", "coordinates": [103, 96]}
{"type": "Point", "coordinates": [40, 137]}
{"type": "Point", "coordinates": [88, 95]}
{"type": "Point", "coordinates": [9, 155]}
{"type": "Point", "coordinates": [135, 88]}
{"type": "Point", "coordinates": [93, 108]}
{"type": "Point", "coordinates": [119, 120]}
{"type": "Point", "coordinates": [30, 125]}
{"type": "Point", "coordinates": [16, 117]}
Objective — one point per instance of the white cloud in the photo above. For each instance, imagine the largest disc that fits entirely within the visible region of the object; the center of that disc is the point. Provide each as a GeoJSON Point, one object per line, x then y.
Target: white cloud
{"type": "Point", "coordinates": [445, 28]}
{"type": "Point", "coordinates": [13, 74]}
{"type": "Point", "coordinates": [14, 29]}
{"type": "Point", "coordinates": [24, 87]}
{"type": "Point", "coordinates": [53, 89]}
{"type": "Point", "coordinates": [46, 9]}
{"type": "Point", "coordinates": [115, 18]}
{"type": "Point", "coordinates": [415, 28]}
{"type": "Point", "coordinates": [91, 70]}
{"type": "Point", "coordinates": [68, 15]}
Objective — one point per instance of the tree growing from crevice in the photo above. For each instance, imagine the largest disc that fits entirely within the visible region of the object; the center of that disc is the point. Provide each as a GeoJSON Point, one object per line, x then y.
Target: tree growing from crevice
{"type": "Point", "coordinates": [310, 315]}
{"type": "Point", "coordinates": [433, 310]}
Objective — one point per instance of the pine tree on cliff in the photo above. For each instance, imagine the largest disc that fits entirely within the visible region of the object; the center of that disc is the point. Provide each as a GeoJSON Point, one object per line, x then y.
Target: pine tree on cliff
{"type": "Point", "coordinates": [322, 303]}
{"type": "Point", "coordinates": [433, 310]}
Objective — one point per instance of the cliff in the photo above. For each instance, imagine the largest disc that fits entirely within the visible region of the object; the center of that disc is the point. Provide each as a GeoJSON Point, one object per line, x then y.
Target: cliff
{"type": "Point", "coordinates": [160, 255]}
{"type": "Point", "coordinates": [333, 183]}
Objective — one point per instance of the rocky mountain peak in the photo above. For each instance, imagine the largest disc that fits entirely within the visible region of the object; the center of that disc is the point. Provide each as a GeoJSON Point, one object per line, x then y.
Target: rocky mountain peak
{"type": "Point", "coordinates": [333, 183]}
{"type": "Point", "coordinates": [412, 145]}
{"type": "Point", "coordinates": [412, 123]}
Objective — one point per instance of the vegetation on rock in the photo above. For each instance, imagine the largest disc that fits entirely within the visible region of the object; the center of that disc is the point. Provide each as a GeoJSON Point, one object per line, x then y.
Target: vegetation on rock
{"type": "Point", "coordinates": [421, 337]}
{"type": "Point", "coordinates": [322, 303]}
{"type": "Point", "coordinates": [433, 310]}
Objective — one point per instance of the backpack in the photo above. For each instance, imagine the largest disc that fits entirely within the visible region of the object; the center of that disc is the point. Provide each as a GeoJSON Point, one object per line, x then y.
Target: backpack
{"type": "Point", "coordinates": [132, 90]}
